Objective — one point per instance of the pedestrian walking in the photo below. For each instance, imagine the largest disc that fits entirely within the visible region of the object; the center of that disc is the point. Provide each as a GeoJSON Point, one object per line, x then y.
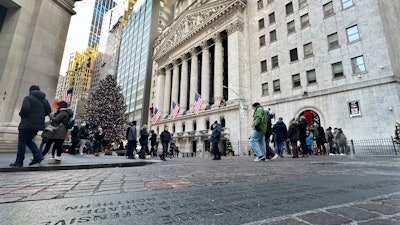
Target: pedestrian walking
{"type": "Point", "coordinates": [153, 143]}
{"type": "Point", "coordinates": [320, 139]}
{"type": "Point", "coordinates": [83, 136]}
{"type": "Point", "coordinates": [165, 137]}
{"type": "Point", "coordinates": [59, 120]}
{"type": "Point", "coordinates": [144, 140]}
{"type": "Point", "coordinates": [303, 136]}
{"type": "Point", "coordinates": [293, 136]}
{"type": "Point", "coordinates": [269, 153]}
{"type": "Point", "coordinates": [98, 141]}
{"type": "Point", "coordinates": [342, 141]}
{"type": "Point", "coordinates": [280, 135]}
{"type": "Point", "coordinates": [259, 126]}
{"type": "Point", "coordinates": [33, 111]}
{"type": "Point", "coordinates": [215, 138]}
{"type": "Point", "coordinates": [329, 138]}
{"type": "Point", "coordinates": [131, 136]}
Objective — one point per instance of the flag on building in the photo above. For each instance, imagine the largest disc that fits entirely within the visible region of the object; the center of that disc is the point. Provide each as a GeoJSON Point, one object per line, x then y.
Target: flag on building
{"type": "Point", "coordinates": [66, 95]}
{"type": "Point", "coordinates": [175, 110]}
{"type": "Point", "coordinates": [197, 103]}
{"type": "Point", "coordinates": [156, 116]}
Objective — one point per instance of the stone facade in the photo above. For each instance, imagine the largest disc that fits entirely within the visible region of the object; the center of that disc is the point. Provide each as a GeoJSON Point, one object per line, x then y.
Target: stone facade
{"type": "Point", "coordinates": [32, 40]}
{"type": "Point", "coordinates": [351, 83]}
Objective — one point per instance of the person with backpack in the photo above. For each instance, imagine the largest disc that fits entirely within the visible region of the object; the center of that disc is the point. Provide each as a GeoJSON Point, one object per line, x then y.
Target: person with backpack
{"type": "Point", "coordinates": [83, 135]}
{"type": "Point", "coordinates": [257, 138]}
{"type": "Point", "coordinates": [59, 120]}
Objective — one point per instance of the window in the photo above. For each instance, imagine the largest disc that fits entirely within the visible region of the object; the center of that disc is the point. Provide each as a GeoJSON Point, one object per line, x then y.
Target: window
{"type": "Point", "coordinates": [352, 33]}
{"type": "Point", "coordinates": [296, 80]}
{"type": "Point", "coordinates": [277, 85]}
{"type": "Point", "coordinates": [263, 66]}
{"type": "Point", "coordinates": [272, 36]}
{"type": "Point", "coordinates": [293, 55]}
{"type": "Point", "coordinates": [308, 50]}
{"type": "Point", "coordinates": [337, 70]}
{"type": "Point", "coordinates": [328, 9]}
{"type": "Point", "coordinates": [261, 24]}
{"type": "Point", "coordinates": [358, 65]}
{"type": "Point", "coordinates": [302, 3]}
{"type": "Point", "coordinates": [333, 41]}
{"type": "Point", "coordinates": [270, 1]}
{"type": "Point", "coordinates": [290, 27]}
{"type": "Point", "coordinates": [260, 4]}
{"type": "Point", "coordinates": [305, 22]}
{"type": "Point", "coordinates": [347, 3]}
{"type": "Point", "coordinates": [262, 41]}
{"type": "Point", "coordinates": [271, 17]}
{"type": "Point", "coordinates": [265, 89]}
{"type": "Point", "coordinates": [311, 77]}
{"type": "Point", "coordinates": [274, 62]}
{"type": "Point", "coordinates": [289, 8]}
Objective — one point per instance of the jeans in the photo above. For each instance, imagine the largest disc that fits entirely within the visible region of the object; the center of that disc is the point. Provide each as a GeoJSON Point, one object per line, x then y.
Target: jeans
{"type": "Point", "coordinates": [257, 140]}
{"type": "Point", "coordinates": [164, 148]}
{"type": "Point", "coordinates": [215, 149]}
{"type": "Point", "coordinates": [279, 148]}
{"type": "Point", "coordinates": [25, 137]}
{"type": "Point", "coordinates": [130, 148]}
{"type": "Point", "coordinates": [82, 145]}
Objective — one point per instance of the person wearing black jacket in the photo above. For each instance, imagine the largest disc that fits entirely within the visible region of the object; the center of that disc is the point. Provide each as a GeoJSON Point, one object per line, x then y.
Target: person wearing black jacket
{"type": "Point", "coordinates": [33, 111]}
{"type": "Point", "coordinates": [74, 140]}
{"type": "Point", "coordinates": [153, 143]}
{"type": "Point", "coordinates": [165, 137]}
{"type": "Point", "coordinates": [144, 141]}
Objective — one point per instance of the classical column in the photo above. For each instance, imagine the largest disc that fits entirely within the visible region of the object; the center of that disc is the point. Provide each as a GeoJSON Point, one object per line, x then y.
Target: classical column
{"type": "Point", "coordinates": [218, 69]}
{"type": "Point", "coordinates": [175, 82]}
{"type": "Point", "coordinates": [160, 90]}
{"type": "Point", "coordinates": [193, 77]}
{"type": "Point", "coordinates": [205, 75]}
{"type": "Point", "coordinates": [184, 84]}
{"type": "Point", "coordinates": [167, 90]}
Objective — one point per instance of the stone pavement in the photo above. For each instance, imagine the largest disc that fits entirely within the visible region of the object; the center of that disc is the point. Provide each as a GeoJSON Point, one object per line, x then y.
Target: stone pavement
{"type": "Point", "coordinates": [235, 190]}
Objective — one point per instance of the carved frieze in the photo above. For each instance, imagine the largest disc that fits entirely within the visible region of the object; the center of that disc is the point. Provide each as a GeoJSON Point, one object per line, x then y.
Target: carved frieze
{"type": "Point", "coordinates": [194, 21]}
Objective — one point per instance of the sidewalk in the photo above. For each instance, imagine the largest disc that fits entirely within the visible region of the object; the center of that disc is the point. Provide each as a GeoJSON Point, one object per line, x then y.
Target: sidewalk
{"type": "Point", "coordinates": [70, 162]}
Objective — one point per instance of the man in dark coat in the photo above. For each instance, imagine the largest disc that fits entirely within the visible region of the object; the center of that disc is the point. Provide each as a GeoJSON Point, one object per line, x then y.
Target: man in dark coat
{"type": "Point", "coordinates": [34, 109]}
{"type": "Point", "coordinates": [131, 137]}
{"type": "Point", "coordinates": [165, 137]}
{"type": "Point", "coordinates": [303, 136]}
{"type": "Point", "coordinates": [144, 141]}
{"type": "Point", "coordinates": [215, 138]}
{"type": "Point", "coordinates": [280, 135]}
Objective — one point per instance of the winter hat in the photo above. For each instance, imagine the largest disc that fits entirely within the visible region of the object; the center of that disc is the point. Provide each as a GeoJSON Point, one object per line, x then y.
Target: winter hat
{"type": "Point", "coordinates": [256, 104]}
{"type": "Point", "coordinates": [34, 87]}
{"type": "Point", "coordinates": [62, 104]}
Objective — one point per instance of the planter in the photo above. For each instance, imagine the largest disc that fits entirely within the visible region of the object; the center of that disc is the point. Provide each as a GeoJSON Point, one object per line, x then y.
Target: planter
{"type": "Point", "coordinates": [230, 154]}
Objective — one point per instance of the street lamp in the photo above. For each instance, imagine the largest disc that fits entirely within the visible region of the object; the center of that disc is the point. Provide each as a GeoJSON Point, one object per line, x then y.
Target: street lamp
{"type": "Point", "coordinates": [240, 116]}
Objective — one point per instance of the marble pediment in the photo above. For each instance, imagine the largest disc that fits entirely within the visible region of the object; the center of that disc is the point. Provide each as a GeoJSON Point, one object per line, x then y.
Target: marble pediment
{"type": "Point", "coordinates": [193, 21]}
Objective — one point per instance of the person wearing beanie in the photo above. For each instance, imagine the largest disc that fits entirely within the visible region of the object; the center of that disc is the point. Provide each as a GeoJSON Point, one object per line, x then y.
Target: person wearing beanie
{"type": "Point", "coordinates": [257, 138]}
{"type": "Point", "coordinates": [59, 119]}
{"type": "Point", "coordinates": [215, 138]}
{"type": "Point", "coordinates": [33, 111]}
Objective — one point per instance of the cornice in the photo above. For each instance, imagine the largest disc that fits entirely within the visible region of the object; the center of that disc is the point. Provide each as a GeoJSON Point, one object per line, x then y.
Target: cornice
{"type": "Point", "coordinates": [67, 5]}
{"type": "Point", "coordinates": [192, 22]}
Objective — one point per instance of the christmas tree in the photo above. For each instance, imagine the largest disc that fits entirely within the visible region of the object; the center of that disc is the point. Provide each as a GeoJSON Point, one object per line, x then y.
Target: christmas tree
{"type": "Point", "coordinates": [106, 108]}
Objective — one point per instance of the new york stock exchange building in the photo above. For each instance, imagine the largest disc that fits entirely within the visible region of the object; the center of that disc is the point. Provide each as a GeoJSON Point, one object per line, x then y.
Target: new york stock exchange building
{"type": "Point", "coordinates": [320, 59]}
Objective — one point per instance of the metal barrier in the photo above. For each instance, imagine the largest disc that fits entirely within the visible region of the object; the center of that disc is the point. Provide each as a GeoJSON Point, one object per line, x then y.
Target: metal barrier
{"type": "Point", "coordinates": [384, 146]}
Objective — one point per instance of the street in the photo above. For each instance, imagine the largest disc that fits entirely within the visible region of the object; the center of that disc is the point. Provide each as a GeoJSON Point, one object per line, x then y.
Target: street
{"type": "Point", "coordinates": [234, 190]}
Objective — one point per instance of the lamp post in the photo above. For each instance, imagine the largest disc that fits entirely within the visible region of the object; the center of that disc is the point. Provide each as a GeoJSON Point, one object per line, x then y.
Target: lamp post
{"type": "Point", "coordinates": [240, 115]}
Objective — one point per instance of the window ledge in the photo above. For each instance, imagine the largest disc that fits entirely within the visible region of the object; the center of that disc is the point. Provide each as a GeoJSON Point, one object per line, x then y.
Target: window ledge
{"type": "Point", "coordinates": [308, 56]}
{"type": "Point", "coordinates": [355, 41]}
{"type": "Point", "coordinates": [330, 49]}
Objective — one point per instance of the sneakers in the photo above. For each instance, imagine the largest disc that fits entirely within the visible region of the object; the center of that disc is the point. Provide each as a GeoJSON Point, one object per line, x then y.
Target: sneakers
{"type": "Point", "coordinates": [35, 162]}
{"type": "Point", "coordinates": [15, 165]}
{"type": "Point", "coordinates": [261, 158]}
{"type": "Point", "coordinates": [275, 157]}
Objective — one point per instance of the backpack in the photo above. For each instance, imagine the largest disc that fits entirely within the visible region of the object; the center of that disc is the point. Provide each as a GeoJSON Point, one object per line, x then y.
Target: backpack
{"type": "Point", "coordinates": [70, 124]}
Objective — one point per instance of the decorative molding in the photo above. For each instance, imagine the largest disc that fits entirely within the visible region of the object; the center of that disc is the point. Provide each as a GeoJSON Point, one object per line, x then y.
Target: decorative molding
{"type": "Point", "coordinates": [67, 5]}
{"type": "Point", "coordinates": [235, 26]}
{"type": "Point", "coordinates": [193, 22]}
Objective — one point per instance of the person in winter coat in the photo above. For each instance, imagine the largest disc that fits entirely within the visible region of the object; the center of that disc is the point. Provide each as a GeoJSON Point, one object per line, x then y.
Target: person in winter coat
{"type": "Point", "coordinates": [341, 141]}
{"type": "Point", "coordinates": [74, 140]}
{"type": "Point", "coordinates": [33, 111]}
{"type": "Point", "coordinates": [153, 143]}
{"type": "Point", "coordinates": [165, 137]}
{"type": "Point", "coordinates": [329, 138]}
{"type": "Point", "coordinates": [215, 138]}
{"type": "Point", "coordinates": [270, 154]}
{"type": "Point", "coordinates": [320, 139]}
{"type": "Point", "coordinates": [293, 136]}
{"type": "Point", "coordinates": [59, 119]}
{"type": "Point", "coordinates": [144, 141]}
{"type": "Point", "coordinates": [98, 141]}
{"type": "Point", "coordinates": [303, 135]}
{"type": "Point", "coordinates": [131, 137]}
{"type": "Point", "coordinates": [83, 136]}
{"type": "Point", "coordinates": [259, 126]}
{"type": "Point", "coordinates": [280, 135]}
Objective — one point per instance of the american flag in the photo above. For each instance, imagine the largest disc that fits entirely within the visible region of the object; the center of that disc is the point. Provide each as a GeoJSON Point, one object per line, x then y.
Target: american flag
{"type": "Point", "coordinates": [197, 103]}
{"type": "Point", "coordinates": [66, 95]}
{"type": "Point", "coordinates": [156, 116]}
{"type": "Point", "coordinates": [175, 110]}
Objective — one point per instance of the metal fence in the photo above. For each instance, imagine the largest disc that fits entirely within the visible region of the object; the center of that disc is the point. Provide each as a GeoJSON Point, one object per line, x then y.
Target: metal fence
{"type": "Point", "coordinates": [384, 146]}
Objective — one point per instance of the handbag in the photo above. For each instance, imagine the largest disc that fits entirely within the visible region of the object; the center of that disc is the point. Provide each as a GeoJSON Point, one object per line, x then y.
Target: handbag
{"type": "Point", "coordinates": [51, 128]}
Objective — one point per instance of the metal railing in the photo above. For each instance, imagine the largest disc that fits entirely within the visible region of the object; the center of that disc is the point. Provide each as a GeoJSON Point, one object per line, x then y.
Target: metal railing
{"type": "Point", "coordinates": [383, 146]}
